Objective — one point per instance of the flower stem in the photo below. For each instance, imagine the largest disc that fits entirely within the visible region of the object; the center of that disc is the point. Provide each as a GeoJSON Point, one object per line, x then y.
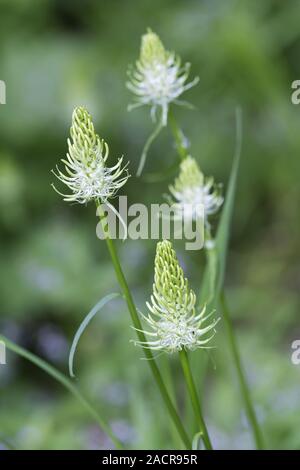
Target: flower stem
{"type": "Point", "coordinates": [137, 324]}
{"type": "Point", "coordinates": [257, 434]}
{"type": "Point", "coordinates": [212, 267]}
{"type": "Point", "coordinates": [147, 145]}
{"type": "Point", "coordinates": [194, 398]}
{"type": "Point", "coordinates": [183, 153]}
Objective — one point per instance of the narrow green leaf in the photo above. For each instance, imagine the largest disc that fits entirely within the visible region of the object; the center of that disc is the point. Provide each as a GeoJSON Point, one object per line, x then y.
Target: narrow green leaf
{"type": "Point", "coordinates": [225, 222]}
{"type": "Point", "coordinates": [147, 146]}
{"type": "Point", "coordinates": [83, 326]}
{"type": "Point", "coordinates": [63, 380]}
{"type": "Point", "coordinates": [218, 255]}
{"type": "Point", "coordinates": [197, 443]}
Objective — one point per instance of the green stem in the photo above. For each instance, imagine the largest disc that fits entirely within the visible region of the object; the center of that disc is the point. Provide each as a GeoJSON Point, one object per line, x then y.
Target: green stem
{"type": "Point", "coordinates": [137, 324]}
{"type": "Point", "coordinates": [63, 380]}
{"type": "Point", "coordinates": [194, 398]}
{"type": "Point", "coordinates": [257, 434]}
{"type": "Point", "coordinates": [183, 153]}
{"type": "Point", "coordinates": [178, 137]}
{"type": "Point", "coordinates": [147, 145]}
{"type": "Point", "coordinates": [166, 372]}
{"type": "Point", "coordinates": [212, 261]}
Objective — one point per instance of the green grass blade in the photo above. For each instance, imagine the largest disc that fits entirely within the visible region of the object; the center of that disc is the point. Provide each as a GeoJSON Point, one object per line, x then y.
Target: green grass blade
{"type": "Point", "coordinates": [226, 217]}
{"type": "Point", "coordinates": [197, 443]}
{"type": "Point", "coordinates": [147, 146]}
{"type": "Point", "coordinates": [217, 257]}
{"type": "Point", "coordinates": [245, 392]}
{"type": "Point", "coordinates": [217, 260]}
{"type": "Point", "coordinates": [63, 380]}
{"type": "Point", "coordinates": [83, 326]}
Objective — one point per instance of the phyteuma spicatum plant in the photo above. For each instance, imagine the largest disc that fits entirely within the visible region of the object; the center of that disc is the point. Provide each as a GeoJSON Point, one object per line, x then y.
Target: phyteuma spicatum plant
{"type": "Point", "coordinates": [191, 189]}
{"type": "Point", "coordinates": [173, 320]}
{"type": "Point", "coordinates": [86, 173]}
{"type": "Point", "coordinates": [159, 78]}
{"type": "Point", "coordinates": [89, 178]}
{"type": "Point", "coordinates": [175, 325]}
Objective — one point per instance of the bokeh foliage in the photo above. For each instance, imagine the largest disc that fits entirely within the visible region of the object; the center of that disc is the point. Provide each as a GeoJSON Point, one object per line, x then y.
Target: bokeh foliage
{"type": "Point", "coordinates": [56, 54]}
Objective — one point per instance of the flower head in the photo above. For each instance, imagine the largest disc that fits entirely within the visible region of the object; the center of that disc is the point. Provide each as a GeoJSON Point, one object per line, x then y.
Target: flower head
{"type": "Point", "coordinates": [159, 77]}
{"type": "Point", "coordinates": [173, 320]}
{"type": "Point", "coordinates": [86, 173]}
{"type": "Point", "coordinates": [192, 190]}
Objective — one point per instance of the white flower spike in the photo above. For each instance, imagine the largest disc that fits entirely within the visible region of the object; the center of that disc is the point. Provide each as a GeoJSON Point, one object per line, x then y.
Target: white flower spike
{"type": "Point", "coordinates": [173, 320]}
{"type": "Point", "coordinates": [159, 78]}
{"type": "Point", "coordinates": [191, 189]}
{"type": "Point", "coordinates": [86, 173]}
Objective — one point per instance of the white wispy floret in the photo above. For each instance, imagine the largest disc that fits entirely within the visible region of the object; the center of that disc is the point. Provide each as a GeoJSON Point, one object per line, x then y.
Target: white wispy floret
{"type": "Point", "coordinates": [159, 78]}
{"type": "Point", "coordinates": [86, 173]}
{"type": "Point", "coordinates": [173, 321]}
{"type": "Point", "coordinates": [191, 191]}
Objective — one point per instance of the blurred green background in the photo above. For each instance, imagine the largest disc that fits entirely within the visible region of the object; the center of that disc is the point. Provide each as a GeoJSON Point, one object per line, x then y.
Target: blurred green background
{"type": "Point", "coordinates": [56, 54]}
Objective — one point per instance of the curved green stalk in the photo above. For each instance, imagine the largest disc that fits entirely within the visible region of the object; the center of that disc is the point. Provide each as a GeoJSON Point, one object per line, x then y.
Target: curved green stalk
{"type": "Point", "coordinates": [183, 153]}
{"type": "Point", "coordinates": [194, 398]}
{"type": "Point", "coordinates": [83, 326]}
{"type": "Point", "coordinates": [214, 274]}
{"type": "Point", "coordinates": [137, 324]}
{"type": "Point", "coordinates": [207, 293]}
{"type": "Point", "coordinates": [219, 263]}
{"type": "Point", "coordinates": [166, 371]}
{"type": "Point", "coordinates": [147, 145]}
{"type": "Point", "coordinates": [257, 434]}
{"type": "Point", "coordinates": [214, 281]}
{"type": "Point", "coordinates": [63, 380]}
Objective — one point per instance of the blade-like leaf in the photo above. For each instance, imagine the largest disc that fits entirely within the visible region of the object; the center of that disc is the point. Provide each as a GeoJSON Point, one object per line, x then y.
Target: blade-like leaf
{"type": "Point", "coordinates": [225, 222]}
{"type": "Point", "coordinates": [218, 255]}
{"type": "Point", "coordinates": [147, 146]}
{"type": "Point", "coordinates": [197, 443]}
{"type": "Point", "coordinates": [83, 326]}
{"type": "Point", "coordinates": [63, 380]}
